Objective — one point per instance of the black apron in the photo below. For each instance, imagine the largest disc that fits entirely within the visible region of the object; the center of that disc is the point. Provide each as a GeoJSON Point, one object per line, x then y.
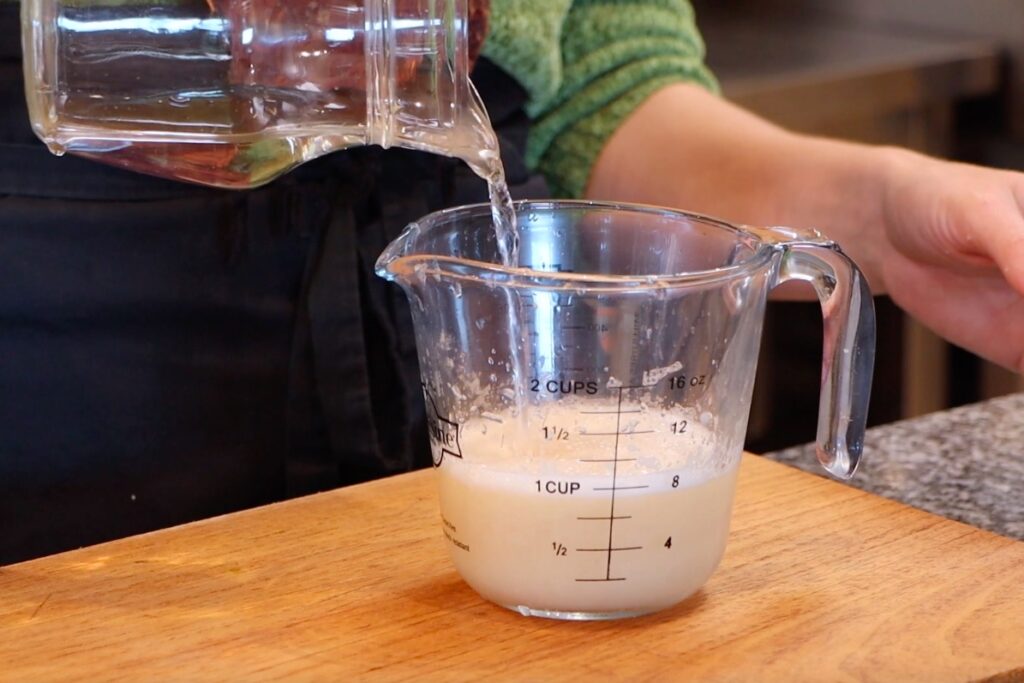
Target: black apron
{"type": "Point", "coordinates": [171, 352]}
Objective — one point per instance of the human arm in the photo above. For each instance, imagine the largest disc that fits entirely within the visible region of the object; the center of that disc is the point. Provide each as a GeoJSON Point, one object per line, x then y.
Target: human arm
{"type": "Point", "coordinates": [945, 240]}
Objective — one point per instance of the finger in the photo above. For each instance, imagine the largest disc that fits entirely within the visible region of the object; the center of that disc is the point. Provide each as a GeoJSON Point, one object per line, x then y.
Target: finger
{"type": "Point", "coordinates": [982, 314]}
{"type": "Point", "coordinates": [998, 227]}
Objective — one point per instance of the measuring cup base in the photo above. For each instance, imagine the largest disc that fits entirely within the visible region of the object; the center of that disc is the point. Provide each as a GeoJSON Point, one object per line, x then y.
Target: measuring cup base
{"type": "Point", "coordinates": [577, 616]}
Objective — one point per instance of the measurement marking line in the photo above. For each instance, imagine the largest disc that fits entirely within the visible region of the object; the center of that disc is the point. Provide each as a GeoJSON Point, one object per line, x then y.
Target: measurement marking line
{"type": "Point", "coordinates": [617, 434]}
{"type": "Point", "coordinates": [574, 369]}
{"type": "Point", "coordinates": [606, 518]}
{"type": "Point", "coordinates": [614, 488]}
{"type": "Point", "coordinates": [574, 327]}
{"type": "Point", "coordinates": [609, 412]}
{"type": "Point", "coordinates": [600, 580]}
{"type": "Point", "coordinates": [606, 460]}
{"type": "Point", "coordinates": [607, 550]}
{"type": "Point", "coordinates": [615, 474]}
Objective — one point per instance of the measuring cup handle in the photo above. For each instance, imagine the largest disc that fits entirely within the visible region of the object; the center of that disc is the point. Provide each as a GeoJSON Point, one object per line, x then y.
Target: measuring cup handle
{"type": "Point", "coordinates": [849, 346]}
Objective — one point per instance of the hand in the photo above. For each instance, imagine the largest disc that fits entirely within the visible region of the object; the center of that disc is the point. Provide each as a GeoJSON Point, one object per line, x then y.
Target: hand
{"type": "Point", "coordinates": [944, 240]}
{"type": "Point", "coordinates": [952, 251]}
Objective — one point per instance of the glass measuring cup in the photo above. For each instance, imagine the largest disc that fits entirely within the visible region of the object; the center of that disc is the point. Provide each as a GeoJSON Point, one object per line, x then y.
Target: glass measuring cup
{"type": "Point", "coordinates": [234, 93]}
{"type": "Point", "coordinates": [587, 411]}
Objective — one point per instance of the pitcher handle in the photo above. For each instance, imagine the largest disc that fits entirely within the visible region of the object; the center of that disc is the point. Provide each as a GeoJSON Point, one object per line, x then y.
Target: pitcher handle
{"type": "Point", "coordinates": [848, 357]}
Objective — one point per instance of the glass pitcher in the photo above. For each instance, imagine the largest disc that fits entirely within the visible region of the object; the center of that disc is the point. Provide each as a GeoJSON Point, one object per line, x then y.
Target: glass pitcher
{"type": "Point", "coordinates": [233, 93]}
{"type": "Point", "coordinates": [587, 410]}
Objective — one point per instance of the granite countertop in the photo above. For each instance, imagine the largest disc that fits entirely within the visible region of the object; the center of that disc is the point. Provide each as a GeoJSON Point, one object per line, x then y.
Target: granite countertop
{"type": "Point", "coordinates": [966, 463]}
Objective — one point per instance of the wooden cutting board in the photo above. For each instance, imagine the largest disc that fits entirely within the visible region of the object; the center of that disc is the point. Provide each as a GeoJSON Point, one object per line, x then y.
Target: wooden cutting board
{"type": "Point", "coordinates": [820, 582]}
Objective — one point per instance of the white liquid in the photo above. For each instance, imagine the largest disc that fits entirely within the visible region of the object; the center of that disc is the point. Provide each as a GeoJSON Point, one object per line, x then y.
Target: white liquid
{"type": "Point", "coordinates": [512, 515]}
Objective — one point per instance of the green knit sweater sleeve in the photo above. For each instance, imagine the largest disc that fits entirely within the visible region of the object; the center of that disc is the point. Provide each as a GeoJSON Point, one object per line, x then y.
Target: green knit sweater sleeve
{"type": "Point", "coordinates": [587, 64]}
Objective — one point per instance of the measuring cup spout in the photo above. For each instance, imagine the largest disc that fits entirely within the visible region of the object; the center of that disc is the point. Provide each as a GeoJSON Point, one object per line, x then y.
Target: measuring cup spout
{"type": "Point", "coordinates": [849, 345]}
{"type": "Point", "coordinates": [392, 264]}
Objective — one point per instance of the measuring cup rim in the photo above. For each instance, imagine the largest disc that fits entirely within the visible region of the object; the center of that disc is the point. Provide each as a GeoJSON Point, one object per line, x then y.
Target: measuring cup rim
{"type": "Point", "coordinates": [461, 268]}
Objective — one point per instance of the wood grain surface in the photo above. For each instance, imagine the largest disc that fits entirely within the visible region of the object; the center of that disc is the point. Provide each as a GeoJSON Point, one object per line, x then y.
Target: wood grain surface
{"type": "Point", "coordinates": [820, 582]}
